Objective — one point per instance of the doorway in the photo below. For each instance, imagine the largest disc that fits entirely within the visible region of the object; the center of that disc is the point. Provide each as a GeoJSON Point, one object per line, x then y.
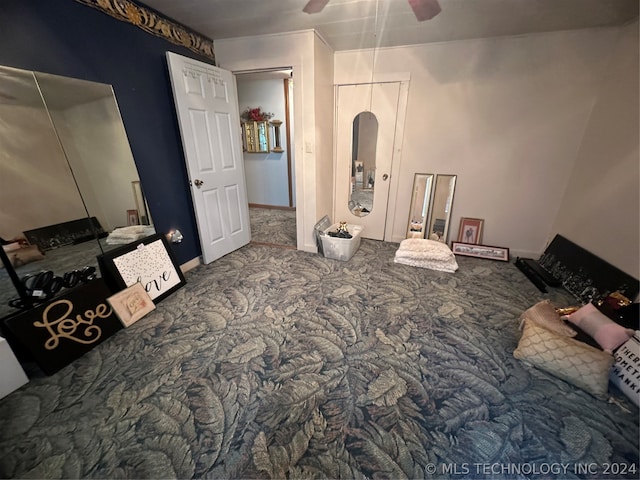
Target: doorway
{"type": "Point", "coordinates": [267, 95]}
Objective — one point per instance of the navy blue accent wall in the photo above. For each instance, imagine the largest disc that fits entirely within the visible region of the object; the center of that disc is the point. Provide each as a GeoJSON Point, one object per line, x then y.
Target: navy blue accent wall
{"type": "Point", "coordinates": [64, 37]}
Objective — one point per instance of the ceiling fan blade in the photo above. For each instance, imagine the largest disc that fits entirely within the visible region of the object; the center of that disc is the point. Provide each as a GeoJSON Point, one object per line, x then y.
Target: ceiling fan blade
{"type": "Point", "coordinates": [424, 9]}
{"type": "Point", "coordinates": [315, 6]}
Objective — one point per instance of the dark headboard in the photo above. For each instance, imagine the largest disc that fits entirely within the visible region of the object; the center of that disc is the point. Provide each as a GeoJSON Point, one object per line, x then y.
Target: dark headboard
{"type": "Point", "coordinates": [584, 274]}
{"type": "Point", "coordinates": [67, 233]}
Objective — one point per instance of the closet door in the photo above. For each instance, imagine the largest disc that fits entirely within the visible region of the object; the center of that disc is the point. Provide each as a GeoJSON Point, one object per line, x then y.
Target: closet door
{"type": "Point", "coordinates": [366, 127]}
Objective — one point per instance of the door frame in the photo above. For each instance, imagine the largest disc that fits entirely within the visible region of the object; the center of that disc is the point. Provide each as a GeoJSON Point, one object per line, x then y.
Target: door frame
{"type": "Point", "coordinates": [287, 125]}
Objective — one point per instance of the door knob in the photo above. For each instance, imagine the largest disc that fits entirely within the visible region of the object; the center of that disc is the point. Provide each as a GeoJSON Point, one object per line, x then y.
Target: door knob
{"type": "Point", "coordinates": [198, 183]}
{"type": "Point", "coordinates": [385, 176]}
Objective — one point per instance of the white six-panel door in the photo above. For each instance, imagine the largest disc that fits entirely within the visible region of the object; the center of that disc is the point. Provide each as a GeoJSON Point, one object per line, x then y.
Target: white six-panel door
{"type": "Point", "coordinates": [207, 106]}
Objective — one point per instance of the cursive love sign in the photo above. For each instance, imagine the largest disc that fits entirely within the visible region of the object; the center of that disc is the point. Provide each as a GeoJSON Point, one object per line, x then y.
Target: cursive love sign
{"type": "Point", "coordinates": [80, 329]}
{"type": "Point", "coordinates": [62, 330]}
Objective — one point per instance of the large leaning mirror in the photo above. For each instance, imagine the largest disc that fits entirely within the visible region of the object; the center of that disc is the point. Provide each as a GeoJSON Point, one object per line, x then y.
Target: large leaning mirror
{"type": "Point", "coordinates": [69, 188]}
{"type": "Point", "coordinates": [440, 214]}
{"type": "Point", "coordinates": [363, 163]}
{"type": "Point", "coordinates": [420, 203]}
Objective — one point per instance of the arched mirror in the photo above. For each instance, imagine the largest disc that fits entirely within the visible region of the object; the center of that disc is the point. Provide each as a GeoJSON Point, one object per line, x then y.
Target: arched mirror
{"type": "Point", "coordinates": [69, 188]}
{"type": "Point", "coordinates": [363, 163]}
{"type": "Point", "coordinates": [420, 203]}
{"type": "Point", "coordinates": [440, 215]}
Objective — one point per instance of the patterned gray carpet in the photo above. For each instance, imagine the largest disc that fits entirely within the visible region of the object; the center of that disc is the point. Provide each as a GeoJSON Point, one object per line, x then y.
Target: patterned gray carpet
{"type": "Point", "coordinates": [273, 226]}
{"type": "Point", "coordinates": [273, 363]}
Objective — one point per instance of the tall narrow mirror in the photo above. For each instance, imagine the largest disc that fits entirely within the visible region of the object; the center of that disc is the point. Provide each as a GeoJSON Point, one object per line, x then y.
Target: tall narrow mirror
{"type": "Point", "coordinates": [363, 163]}
{"type": "Point", "coordinates": [420, 202]}
{"type": "Point", "coordinates": [67, 178]}
{"type": "Point", "coordinates": [440, 216]}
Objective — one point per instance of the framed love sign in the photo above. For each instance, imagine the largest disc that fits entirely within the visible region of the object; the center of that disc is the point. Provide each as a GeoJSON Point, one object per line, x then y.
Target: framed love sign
{"type": "Point", "coordinates": [148, 261]}
{"type": "Point", "coordinates": [60, 331]}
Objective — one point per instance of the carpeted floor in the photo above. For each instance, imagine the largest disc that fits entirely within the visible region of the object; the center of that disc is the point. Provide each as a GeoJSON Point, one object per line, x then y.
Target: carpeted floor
{"type": "Point", "coordinates": [275, 363]}
{"type": "Point", "coordinates": [273, 226]}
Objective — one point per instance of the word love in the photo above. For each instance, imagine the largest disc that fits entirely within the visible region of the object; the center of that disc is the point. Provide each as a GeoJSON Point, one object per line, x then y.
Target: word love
{"type": "Point", "coordinates": [61, 324]}
{"type": "Point", "coordinates": [156, 284]}
{"type": "Point", "coordinates": [46, 283]}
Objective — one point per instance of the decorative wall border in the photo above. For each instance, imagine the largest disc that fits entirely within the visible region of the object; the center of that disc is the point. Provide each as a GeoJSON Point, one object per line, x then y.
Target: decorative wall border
{"type": "Point", "coordinates": [151, 22]}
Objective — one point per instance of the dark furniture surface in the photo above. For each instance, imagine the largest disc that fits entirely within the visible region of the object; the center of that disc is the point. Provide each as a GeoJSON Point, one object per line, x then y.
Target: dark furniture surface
{"type": "Point", "coordinates": [583, 274]}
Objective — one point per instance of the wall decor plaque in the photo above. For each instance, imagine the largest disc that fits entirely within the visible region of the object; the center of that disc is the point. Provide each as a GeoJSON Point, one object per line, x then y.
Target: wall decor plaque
{"type": "Point", "coordinates": [58, 332]}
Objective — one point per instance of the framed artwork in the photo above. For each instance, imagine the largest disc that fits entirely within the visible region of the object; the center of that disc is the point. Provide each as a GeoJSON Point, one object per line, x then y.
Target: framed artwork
{"type": "Point", "coordinates": [131, 304]}
{"type": "Point", "coordinates": [132, 218]}
{"type": "Point", "coordinates": [59, 331]}
{"type": "Point", "coordinates": [470, 230]}
{"type": "Point", "coordinates": [148, 261]}
{"type": "Point", "coordinates": [480, 251]}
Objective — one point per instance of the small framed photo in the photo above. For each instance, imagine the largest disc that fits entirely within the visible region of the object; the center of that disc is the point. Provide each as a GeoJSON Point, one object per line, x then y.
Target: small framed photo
{"type": "Point", "coordinates": [480, 251]}
{"type": "Point", "coordinates": [132, 218]}
{"type": "Point", "coordinates": [131, 304]}
{"type": "Point", "coordinates": [470, 230]}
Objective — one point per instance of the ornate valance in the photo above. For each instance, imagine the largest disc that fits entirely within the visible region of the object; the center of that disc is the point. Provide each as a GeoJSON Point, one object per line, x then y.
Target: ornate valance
{"type": "Point", "coordinates": [150, 21]}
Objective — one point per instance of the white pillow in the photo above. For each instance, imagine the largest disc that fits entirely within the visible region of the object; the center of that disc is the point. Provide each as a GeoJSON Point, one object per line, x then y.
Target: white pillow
{"type": "Point", "coordinates": [601, 328]}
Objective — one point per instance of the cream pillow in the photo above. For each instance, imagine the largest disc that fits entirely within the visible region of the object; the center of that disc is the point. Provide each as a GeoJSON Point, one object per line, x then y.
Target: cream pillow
{"type": "Point", "coordinates": [544, 314]}
{"type": "Point", "coordinates": [601, 328]}
{"type": "Point", "coordinates": [575, 362]}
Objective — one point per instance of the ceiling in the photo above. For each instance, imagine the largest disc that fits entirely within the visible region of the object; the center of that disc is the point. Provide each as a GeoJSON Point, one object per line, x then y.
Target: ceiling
{"type": "Point", "coordinates": [353, 24]}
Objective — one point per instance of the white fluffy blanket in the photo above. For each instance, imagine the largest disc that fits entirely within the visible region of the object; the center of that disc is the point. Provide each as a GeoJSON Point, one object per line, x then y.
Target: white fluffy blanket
{"type": "Point", "coordinates": [424, 253]}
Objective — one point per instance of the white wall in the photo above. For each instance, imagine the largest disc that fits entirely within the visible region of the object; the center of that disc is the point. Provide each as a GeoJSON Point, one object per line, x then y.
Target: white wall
{"type": "Point", "coordinates": [599, 210]}
{"type": "Point", "coordinates": [33, 163]}
{"type": "Point", "coordinates": [507, 115]}
{"type": "Point", "coordinates": [98, 151]}
{"type": "Point", "coordinates": [324, 121]}
{"type": "Point", "coordinates": [266, 173]}
{"type": "Point", "coordinates": [296, 50]}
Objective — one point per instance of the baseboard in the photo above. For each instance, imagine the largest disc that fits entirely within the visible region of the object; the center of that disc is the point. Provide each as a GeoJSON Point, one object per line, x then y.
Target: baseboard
{"type": "Point", "coordinates": [523, 254]}
{"type": "Point", "coordinates": [272, 207]}
{"type": "Point", "coordinates": [191, 264]}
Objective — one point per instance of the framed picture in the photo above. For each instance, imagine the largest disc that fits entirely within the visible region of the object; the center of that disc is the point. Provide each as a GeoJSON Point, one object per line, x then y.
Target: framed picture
{"type": "Point", "coordinates": [63, 329]}
{"type": "Point", "coordinates": [131, 304]}
{"type": "Point", "coordinates": [480, 251]}
{"type": "Point", "coordinates": [132, 218]}
{"type": "Point", "coordinates": [470, 230]}
{"type": "Point", "coordinates": [148, 261]}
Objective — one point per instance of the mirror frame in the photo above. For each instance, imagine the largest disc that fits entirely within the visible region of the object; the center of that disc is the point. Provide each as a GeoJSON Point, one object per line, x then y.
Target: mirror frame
{"type": "Point", "coordinates": [425, 202]}
{"type": "Point", "coordinates": [361, 196]}
{"type": "Point", "coordinates": [43, 83]}
{"type": "Point", "coordinates": [440, 189]}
